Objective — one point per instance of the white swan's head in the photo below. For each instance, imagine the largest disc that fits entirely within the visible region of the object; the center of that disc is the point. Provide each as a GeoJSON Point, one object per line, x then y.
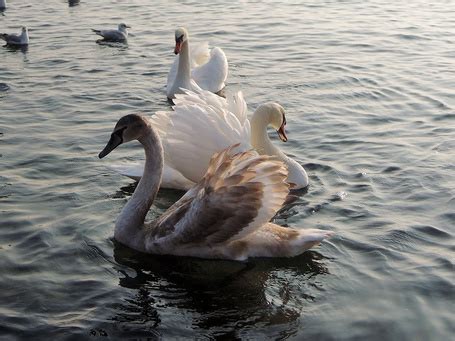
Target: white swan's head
{"type": "Point", "coordinates": [181, 35]}
{"type": "Point", "coordinates": [272, 114]}
{"type": "Point", "coordinates": [123, 27]}
{"type": "Point", "coordinates": [128, 128]}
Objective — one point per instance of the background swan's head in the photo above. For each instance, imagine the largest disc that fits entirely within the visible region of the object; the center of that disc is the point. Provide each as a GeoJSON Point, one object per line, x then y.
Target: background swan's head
{"type": "Point", "coordinates": [123, 27]}
{"type": "Point", "coordinates": [275, 116]}
{"type": "Point", "coordinates": [181, 35]}
{"type": "Point", "coordinates": [128, 128]}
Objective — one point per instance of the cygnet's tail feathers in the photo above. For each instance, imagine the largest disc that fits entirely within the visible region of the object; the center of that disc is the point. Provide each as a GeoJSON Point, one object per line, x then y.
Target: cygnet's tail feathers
{"type": "Point", "coordinates": [308, 238]}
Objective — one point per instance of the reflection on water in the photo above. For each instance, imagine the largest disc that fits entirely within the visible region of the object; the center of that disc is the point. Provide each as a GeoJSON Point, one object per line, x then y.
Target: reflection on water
{"type": "Point", "coordinates": [72, 3]}
{"type": "Point", "coordinates": [15, 48]}
{"type": "Point", "coordinates": [216, 295]}
{"type": "Point", "coordinates": [121, 46]}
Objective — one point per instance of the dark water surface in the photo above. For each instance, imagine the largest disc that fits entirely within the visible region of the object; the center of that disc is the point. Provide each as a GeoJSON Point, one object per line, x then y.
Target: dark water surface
{"type": "Point", "coordinates": [369, 90]}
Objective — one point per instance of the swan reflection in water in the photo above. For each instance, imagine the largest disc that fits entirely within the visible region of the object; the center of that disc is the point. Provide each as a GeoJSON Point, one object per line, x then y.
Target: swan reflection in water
{"type": "Point", "coordinates": [222, 298]}
{"type": "Point", "coordinates": [72, 3]}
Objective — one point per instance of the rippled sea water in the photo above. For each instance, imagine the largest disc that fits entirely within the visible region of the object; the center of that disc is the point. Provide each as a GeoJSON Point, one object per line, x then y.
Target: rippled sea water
{"type": "Point", "coordinates": [369, 91]}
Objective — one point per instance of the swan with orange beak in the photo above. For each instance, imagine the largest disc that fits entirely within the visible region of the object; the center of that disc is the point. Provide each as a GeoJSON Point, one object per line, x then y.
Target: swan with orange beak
{"type": "Point", "coordinates": [195, 68]}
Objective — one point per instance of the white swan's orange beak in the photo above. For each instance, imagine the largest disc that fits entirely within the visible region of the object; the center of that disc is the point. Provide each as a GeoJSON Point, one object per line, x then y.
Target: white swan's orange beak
{"type": "Point", "coordinates": [178, 46]}
{"type": "Point", "coordinates": [282, 133]}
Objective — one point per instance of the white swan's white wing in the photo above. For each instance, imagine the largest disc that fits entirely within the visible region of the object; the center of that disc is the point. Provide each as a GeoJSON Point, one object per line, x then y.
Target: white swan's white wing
{"type": "Point", "coordinates": [201, 125]}
{"type": "Point", "coordinates": [194, 132]}
{"type": "Point", "coordinates": [235, 104]}
{"type": "Point", "coordinates": [199, 54]}
{"type": "Point", "coordinates": [133, 170]}
{"type": "Point", "coordinates": [212, 75]}
{"type": "Point", "coordinates": [238, 195]}
{"type": "Point", "coordinates": [170, 178]}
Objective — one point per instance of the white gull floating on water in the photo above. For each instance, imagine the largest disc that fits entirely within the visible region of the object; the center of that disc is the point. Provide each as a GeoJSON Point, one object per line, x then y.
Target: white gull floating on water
{"type": "Point", "coordinates": [16, 39]}
{"type": "Point", "coordinates": [119, 35]}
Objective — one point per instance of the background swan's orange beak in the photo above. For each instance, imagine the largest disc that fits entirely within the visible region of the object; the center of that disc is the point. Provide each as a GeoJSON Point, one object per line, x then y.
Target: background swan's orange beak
{"type": "Point", "coordinates": [282, 133]}
{"type": "Point", "coordinates": [178, 46]}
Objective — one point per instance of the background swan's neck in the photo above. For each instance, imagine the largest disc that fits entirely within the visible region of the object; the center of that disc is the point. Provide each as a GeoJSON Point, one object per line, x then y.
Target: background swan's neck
{"type": "Point", "coordinates": [129, 226]}
{"type": "Point", "coordinates": [259, 137]}
{"type": "Point", "coordinates": [184, 70]}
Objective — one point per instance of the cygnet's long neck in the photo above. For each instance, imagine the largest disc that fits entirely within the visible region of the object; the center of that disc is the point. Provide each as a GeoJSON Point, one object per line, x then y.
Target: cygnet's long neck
{"type": "Point", "coordinates": [260, 140]}
{"type": "Point", "coordinates": [129, 228]}
{"type": "Point", "coordinates": [184, 70]}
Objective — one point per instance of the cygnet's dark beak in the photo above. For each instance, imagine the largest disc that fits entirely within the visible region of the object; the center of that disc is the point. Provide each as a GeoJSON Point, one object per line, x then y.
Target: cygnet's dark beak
{"type": "Point", "coordinates": [115, 140]}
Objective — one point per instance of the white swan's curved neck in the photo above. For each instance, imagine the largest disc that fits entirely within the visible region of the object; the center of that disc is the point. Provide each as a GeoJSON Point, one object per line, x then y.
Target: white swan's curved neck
{"type": "Point", "coordinates": [129, 226]}
{"type": "Point", "coordinates": [260, 140]}
{"type": "Point", "coordinates": [184, 69]}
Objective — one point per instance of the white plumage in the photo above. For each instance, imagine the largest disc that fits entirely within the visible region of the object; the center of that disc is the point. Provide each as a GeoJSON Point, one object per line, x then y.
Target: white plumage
{"type": "Point", "coordinates": [202, 124]}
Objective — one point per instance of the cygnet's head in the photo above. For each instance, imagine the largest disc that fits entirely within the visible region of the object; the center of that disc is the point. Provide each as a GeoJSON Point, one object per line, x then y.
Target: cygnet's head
{"type": "Point", "coordinates": [128, 128]}
{"type": "Point", "coordinates": [181, 35]}
{"type": "Point", "coordinates": [123, 27]}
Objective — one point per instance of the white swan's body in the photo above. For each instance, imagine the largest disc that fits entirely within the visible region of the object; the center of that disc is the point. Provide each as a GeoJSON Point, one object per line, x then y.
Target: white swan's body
{"type": "Point", "coordinates": [119, 35]}
{"type": "Point", "coordinates": [202, 124]}
{"type": "Point", "coordinates": [226, 215]}
{"type": "Point", "coordinates": [196, 68]}
{"type": "Point", "coordinates": [16, 39]}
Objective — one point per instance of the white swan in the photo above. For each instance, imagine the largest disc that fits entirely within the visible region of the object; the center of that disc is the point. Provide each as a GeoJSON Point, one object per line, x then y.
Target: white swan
{"type": "Point", "coordinates": [195, 68]}
{"type": "Point", "coordinates": [226, 215]}
{"type": "Point", "coordinates": [16, 40]}
{"type": "Point", "coordinates": [119, 35]}
{"type": "Point", "coordinates": [202, 124]}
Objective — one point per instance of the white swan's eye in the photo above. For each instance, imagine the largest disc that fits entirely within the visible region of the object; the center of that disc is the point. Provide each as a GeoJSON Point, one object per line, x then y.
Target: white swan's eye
{"type": "Point", "coordinates": [179, 39]}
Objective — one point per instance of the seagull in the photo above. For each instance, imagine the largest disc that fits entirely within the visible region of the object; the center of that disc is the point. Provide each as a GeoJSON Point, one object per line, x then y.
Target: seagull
{"type": "Point", "coordinates": [118, 35]}
{"type": "Point", "coordinates": [15, 39]}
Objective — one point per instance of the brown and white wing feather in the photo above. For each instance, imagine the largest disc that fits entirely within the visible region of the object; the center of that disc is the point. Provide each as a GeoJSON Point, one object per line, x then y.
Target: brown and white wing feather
{"type": "Point", "coordinates": [238, 194]}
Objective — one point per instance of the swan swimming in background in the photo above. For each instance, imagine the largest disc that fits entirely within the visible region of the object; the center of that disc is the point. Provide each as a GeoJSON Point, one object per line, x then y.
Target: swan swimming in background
{"type": "Point", "coordinates": [226, 215]}
{"type": "Point", "coordinates": [119, 35]}
{"type": "Point", "coordinates": [195, 68]}
{"type": "Point", "coordinates": [202, 124]}
{"type": "Point", "coordinates": [15, 39]}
